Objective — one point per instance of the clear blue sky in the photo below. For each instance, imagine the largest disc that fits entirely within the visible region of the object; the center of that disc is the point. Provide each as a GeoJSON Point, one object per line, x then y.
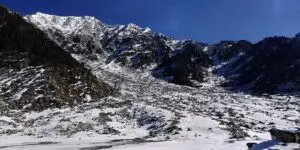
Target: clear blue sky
{"type": "Point", "coordinates": [201, 20]}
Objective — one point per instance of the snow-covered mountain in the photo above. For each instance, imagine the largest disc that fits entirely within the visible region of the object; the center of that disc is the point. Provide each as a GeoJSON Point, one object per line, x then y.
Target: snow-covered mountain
{"type": "Point", "coordinates": [143, 107]}
{"type": "Point", "coordinates": [130, 46]}
{"type": "Point", "coordinates": [255, 68]}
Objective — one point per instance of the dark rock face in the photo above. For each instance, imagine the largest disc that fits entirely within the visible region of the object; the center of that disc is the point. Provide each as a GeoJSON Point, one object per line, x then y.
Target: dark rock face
{"type": "Point", "coordinates": [226, 50]}
{"type": "Point", "coordinates": [189, 64]}
{"type": "Point", "coordinates": [269, 66]}
{"type": "Point", "coordinates": [274, 64]}
{"type": "Point", "coordinates": [36, 73]}
{"type": "Point", "coordinates": [132, 47]}
{"type": "Point", "coordinates": [285, 136]}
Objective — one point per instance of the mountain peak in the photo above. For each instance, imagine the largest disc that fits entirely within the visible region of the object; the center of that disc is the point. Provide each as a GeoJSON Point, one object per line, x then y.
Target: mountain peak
{"type": "Point", "coordinates": [147, 29]}
{"type": "Point", "coordinates": [132, 25]}
{"type": "Point", "coordinates": [41, 14]}
{"type": "Point", "coordinates": [66, 24]}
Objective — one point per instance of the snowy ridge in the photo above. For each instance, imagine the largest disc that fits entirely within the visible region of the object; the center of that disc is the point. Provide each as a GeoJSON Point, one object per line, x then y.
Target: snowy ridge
{"type": "Point", "coordinates": [88, 38]}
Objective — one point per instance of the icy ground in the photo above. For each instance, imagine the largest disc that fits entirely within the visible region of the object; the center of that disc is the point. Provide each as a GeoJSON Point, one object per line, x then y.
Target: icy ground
{"type": "Point", "coordinates": [151, 114]}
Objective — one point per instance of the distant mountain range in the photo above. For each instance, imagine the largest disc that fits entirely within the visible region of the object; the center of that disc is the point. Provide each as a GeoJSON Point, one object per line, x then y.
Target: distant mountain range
{"type": "Point", "coordinates": [269, 66]}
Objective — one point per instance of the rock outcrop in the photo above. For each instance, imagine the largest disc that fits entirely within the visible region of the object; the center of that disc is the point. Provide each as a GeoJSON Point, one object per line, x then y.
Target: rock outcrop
{"type": "Point", "coordinates": [286, 136]}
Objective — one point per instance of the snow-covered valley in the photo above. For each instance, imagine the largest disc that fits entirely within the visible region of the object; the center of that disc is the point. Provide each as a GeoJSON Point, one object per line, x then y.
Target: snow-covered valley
{"type": "Point", "coordinates": [144, 111]}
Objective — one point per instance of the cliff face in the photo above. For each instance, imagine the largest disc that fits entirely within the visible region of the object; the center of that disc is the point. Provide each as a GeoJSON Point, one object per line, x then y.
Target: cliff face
{"type": "Point", "coordinates": [36, 73]}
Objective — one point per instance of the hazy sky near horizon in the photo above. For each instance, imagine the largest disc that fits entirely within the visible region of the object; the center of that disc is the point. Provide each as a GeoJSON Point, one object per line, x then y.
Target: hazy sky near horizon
{"type": "Point", "coordinates": [201, 20]}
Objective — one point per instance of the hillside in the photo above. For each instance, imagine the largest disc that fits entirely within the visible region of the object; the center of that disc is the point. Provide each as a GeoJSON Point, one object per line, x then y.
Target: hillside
{"type": "Point", "coordinates": [36, 73]}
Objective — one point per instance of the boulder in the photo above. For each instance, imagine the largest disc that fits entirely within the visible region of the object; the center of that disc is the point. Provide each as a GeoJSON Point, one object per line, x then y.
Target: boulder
{"type": "Point", "coordinates": [250, 145]}
{"type": "Point", "coordinates": [286, 136]}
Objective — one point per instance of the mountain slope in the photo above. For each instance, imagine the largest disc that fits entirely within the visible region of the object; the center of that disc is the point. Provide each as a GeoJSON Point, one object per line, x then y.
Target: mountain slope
{"type": "Point", "coordinates": [36, 73]}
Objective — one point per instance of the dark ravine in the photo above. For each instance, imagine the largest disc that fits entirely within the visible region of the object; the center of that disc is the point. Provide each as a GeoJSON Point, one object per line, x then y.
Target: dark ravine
{"type": "Point", "coordinates": [39, 73]}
